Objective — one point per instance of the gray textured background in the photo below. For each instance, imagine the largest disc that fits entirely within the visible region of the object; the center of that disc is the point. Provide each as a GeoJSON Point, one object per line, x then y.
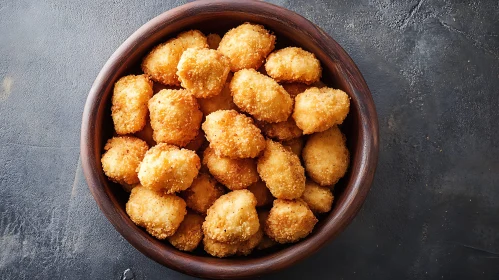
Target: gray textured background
{"type": "Point", "coordinates": [433, 69]}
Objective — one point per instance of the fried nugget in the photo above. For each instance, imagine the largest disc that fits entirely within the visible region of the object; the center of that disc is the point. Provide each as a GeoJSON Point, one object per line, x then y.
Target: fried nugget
{"type": "Point", "coordinates": [175, 117]}
{"type": "Point", "coordinates": [246, 46]}
{"type": "Point", "coordinates": [294, 89]}
{"type": "Point", "coordinates": [317, 109]}
{"type": "Point", "coordinates": [221, 249]}
{"type": "Point", "coordinates": [129, 103]}
{"type": "Point", "coordinates": [260, 96]}
{"type": "Point", "coordinates": [266, 242]}
{"type": "Point", "coordinates": [281, 171]}
{"type": "Point", "coordinates": [281, 131]}
{"type": "Point", "coordinates": [159, 213]}
{"type": "Point", "coordinates": [189, 234]}
{"type": "Point", "coordinates": [326, 156]}
{"type": "Point", "coordinates": [203, 71]}
{"type": "Point", "coordinates": [168, 168]}
{"type": "Point", "coordinates": [261, 193]}
{"type": "Point", "coordinates": [203, 192]}
{"type": "Point", "coordinates": [197, 143]}
{"type": "Point", "coordinates": [213, 40]}
{"type": "Point", "coordinates": [146, 134]}
{"type": "Point", "coordinates": [233, 135]}
{"type": "Point", "coordinates": [235, 174]}
{"type": "Point", "coordinates": [222, 101]}
{"type": "Point", "coordinates": [289, 221]}
{"type": "Point", "coordinates": [293, 64]}
{"type": "Point", "coordinates": [319, 199]}
{"type": "Point", "coordinates": [296, 145]}
{"type": "Point", "coordinates": [161, 63]}
{"type": "Point", "coordinates": [232, 218]}
{"type": "Point", "coordinates": [121, 159]}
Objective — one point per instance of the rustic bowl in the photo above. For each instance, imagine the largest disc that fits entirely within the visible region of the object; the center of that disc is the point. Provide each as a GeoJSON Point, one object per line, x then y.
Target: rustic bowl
{"type": "Point", "coordinates": [360, 127]}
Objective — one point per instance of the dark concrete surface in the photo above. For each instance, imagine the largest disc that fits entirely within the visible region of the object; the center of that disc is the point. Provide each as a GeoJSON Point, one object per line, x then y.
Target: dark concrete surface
{"type": "Point", "coordinates": [432, 213]}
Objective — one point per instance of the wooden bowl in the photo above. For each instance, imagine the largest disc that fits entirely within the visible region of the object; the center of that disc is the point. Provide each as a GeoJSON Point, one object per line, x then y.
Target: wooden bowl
{"type": "Point", "coordinates": [360, 127]}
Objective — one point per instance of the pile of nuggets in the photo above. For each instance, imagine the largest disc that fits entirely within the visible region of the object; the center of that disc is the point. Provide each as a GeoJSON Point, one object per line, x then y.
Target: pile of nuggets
{"type": "Point", "coordinates": [227, 142]}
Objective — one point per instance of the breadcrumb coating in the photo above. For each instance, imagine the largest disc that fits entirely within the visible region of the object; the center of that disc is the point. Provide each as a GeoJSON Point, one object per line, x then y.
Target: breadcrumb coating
{"type": "Point", "coordinates": [221, 249]}
{"type": "Point", "coordinates": [213, 40]}
{"type": "Point", "coordinates": [189, 234]}
{"type": "Point", "coordinates": [222, 101]}
{"type": "Point", "coordinates": [319, 199]}
{"type": "Point", "coordinates": [203, 192]}
{"type": "Point", "coordinates": [293, 64]}
{"type": "Point", "coordinates": [261, 193]}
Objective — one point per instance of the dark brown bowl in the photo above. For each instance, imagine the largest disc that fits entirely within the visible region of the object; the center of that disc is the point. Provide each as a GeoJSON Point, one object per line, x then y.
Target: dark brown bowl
{"type": "Point", "coordinates": [361, 129]}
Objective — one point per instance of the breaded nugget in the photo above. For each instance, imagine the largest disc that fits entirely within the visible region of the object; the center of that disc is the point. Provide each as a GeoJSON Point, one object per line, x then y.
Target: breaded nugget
{"type": "Point", "coordinates": [235, 174]}
{"type": "Point", "coordinates": [232, 218]}
{"type": "Point", "coordinates": [189, 233]}
{"type": "Point", "coordinates": [203, 71]}
{"type": "Point", "coordinates": [326, 156]}
{"type": "Point", "coordinates": [161, 63]}
{"type": "Point", "coordinates": [213, 40]}
{"type": "Point", "coordinates": [317, 109]}
{"type": "Point", "coordinates": [197, 142]}
{"type": "Point", "coordinates": [294, 89]}
{"type": "Point", "coordinates": [168, 168]}
{"type": "Point", "coordinates": [233, 135]}
{"type": "Point", "coordinates": [129, 103]}
{"type": "Point", "coordinates": [175, 117]}
{"type": "Point", "coordinates": [293, 64]}
{"type": "Point", "coordinates": [221, 249]}
{"type": "Point", "coordinates": [281, 171]}
{"type": "Point", "coordinates": [246, 46]}
{"type": "Point", "coordinates": [222, 101]}
{"type": "Point", "coordinates": [266, 242]}
{"type": "Point", "coordinates": [319, 199]}
{"type": "Point", "coordinates": [281, 131]}
{"type": "Point", "coordinates": [203, 192]}
{"type": "Point", "coordinates": [260, 96]}
{"type": "Point", "coordinates": [146, 134]}
{"type": "Point", "coordinates": [159, 213]}
{"type": "Point", "coordinates": [121, 159]}
{"type": "Point", "coordinates": [261, 193]}
{"type": "Point", "coordinates": [289, 221]}
{"type": "Point", "coordinates": [296, 145]}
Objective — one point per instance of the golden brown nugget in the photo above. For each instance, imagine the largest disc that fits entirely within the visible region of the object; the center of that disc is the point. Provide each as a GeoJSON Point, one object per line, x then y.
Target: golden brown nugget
{"type": "Point", "coordinates": [319, 199]}
{"type": "Point", "coordinates": [282, 131]}
{"type": "Point", "coordinates": [293, 64]}
{"type": "Point", "coordinates": [261, 193]}
{"type": "Point", "coordinates": [175, 117]}
{"type": "Point", "coordinates": [233, 135]}
{"type": "Point", "coordinates": [203, 192]}
{"type": "Point", "coordinates": [168, 168]}
{"type": "Point", "coordinates": [296, 145]}
{"type": "Point", "coordinates": [221, 249]}
{"type": "Point", "coordinates": [213, 41]}
{"type": "Point", "coordinates": [266, 242]}
{"type": "Point", "coordinates": [129, 103]}
{"type": "Point", "coordinates": [189, 234]}
{"type": "Point", "coordinates": [281, 171]}
{"type": "Point", "coordinates": [203, 71]}
{"type": "Point", "coordinates": [318, 109]}
{"type": "Point", "coordinates": [222, 101]}
{"type": "Point", "coordinates": [260, 96]}
{"type": "Point", "coordinates": [161, 63]}
{"type": "Point", "coordinates": [121, 159]}
{"type": "Point", "coordinates": [246, 46]}
{"type": "Point", "coordinates": [232, 218]}
{"type": "Point", "coordinates": [289, 221]}
{"type": "Point", "coordinates": [235, 174]}
{"type": "Point", "coordinates": [326, 156]}
{"type": "Point", "coordinates": [159, 213]}
{"type": "Point", "coordinates": [197, 142]}
{"type": "Point", "coordinates": [146, 134]}
{"type": "Point", "coordinates": [294, 89]}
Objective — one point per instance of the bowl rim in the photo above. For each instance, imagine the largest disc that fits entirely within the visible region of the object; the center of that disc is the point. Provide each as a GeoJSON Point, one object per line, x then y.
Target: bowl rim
{"type": "Point", "coordinates": [201, 266]}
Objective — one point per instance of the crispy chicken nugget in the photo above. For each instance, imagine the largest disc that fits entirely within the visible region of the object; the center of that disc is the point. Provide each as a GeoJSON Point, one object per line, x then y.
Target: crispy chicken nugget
{"type": "Point", "coordinates": [129, 103]}
{"type": "Point", "coordinates": [317, 109]}
{"type": "Point", "coordinates": [266, 242]}
{"type": "Point", "coordinates": [175, 117]}
{"type": "Point", "coordinates": [203, 71]}
{"type": "Point", "coordinates": [296, 145]}
{"type": "Point", "coordinates": [260, 96]}
{"type": "Point", "coordinates": [293, 64]}
{"type": "Point", "coordinates": [121, 159]}
{"type": "Point", "coordinates": [161, 63]}
{"type": "Point", "coordinates": [213, 40]}
{"type": "Point", "coordinates": [233, 135]}
{"type": "Point", "coordinates": [203, 192]}
{"type": "Point", "coordinates": [289, 221]}
{"type": "Point", "coordinates": [232, 218]}
{"type": "Point", "coordinates": [168, 168]}
{"type": "Point", "coordinates": [319, 199]}
{"type": "Point", "coordinates": [222, 101]}
{"type": "Point", "coordinates": [295, 88]}
{"type": "Point", "coordinates": [146, 134]}
{"type": "Point", "coordinates": [189, 233]}
{"type": "Point", "coordinates": [159, 213]}
{"type": "Point", "coordinates": [326, 156]}
{"type": "Point", "coordinates": [281, 131]}
{"type": "Point", "coordinates": [261, 193]}
{"type": "Point", "coordinates": [281, 171]}
{"type": "Point", "coordinates": [235, 174]}
{"type": "Point", "coordinates": [197, 143]}
{"type": "Point", "coordinates": [221, 249]}
{"type": "Point", "coordinates": [246, 46]}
